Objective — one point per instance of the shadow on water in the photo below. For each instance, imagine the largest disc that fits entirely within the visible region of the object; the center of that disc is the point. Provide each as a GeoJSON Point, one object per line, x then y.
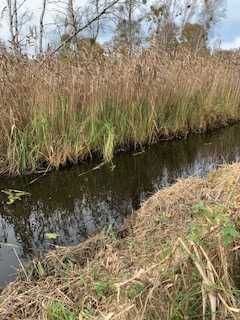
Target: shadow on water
{"type": "Point", "coordinates": [76, 206]}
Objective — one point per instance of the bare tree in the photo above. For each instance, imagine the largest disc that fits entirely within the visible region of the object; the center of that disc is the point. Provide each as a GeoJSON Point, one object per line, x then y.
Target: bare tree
{"type": "Point", "coordinates": [97, 5]}
{"type": "Point", "coordinates": [128, 33]}
{"type": "Point", "coordinates": [104, 11]}
{"type": "Point", "coordinates": [71, 19]}
{"type": "Point", "coordinates": [213, 10]}
{"type": "Point", "coordinates": [66, 18]}
{"type": "Point", "coordinates": [185, 20]}
{"type": "Point", "coordinates": [91, 9]}
{"type": "Point", "coordinates": [17, 18]}
{"type": "Point", "coordinates": [16, 26]}
{"type": "Point", "coordinates": [130, 7]}
{"type": "Point", "coordinates": [11, 25]}
{"type": "Point", "coordinates": [168, 18]}
{"type": "Point", "coordinates": [42, 26]}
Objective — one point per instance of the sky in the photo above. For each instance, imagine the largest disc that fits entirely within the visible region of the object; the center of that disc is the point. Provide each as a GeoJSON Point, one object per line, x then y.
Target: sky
{"type": "Point", "coordinates": [228, 30]}
{"type": "Point", "coordinates": [226, 33]}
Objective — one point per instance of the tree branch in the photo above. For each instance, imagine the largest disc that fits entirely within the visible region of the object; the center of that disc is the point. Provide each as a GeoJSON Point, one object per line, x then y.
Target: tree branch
{"type": "Point", "coordinates": [96, 18]}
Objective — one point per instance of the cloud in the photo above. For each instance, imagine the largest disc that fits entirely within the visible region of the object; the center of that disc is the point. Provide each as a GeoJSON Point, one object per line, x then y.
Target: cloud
{"type": "Point", "coordinates": [234, 44]}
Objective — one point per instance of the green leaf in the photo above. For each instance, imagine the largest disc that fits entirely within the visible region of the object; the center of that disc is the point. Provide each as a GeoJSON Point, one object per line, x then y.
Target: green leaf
{"type": "Point", "coordinates": [14, 195]}
{"type": "Point", "coordinates": [51, 236]}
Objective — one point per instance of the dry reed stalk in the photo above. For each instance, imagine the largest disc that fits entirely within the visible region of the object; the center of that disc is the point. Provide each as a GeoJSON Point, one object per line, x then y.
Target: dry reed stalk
{"type": "Point", "coordinates": [71, 109]}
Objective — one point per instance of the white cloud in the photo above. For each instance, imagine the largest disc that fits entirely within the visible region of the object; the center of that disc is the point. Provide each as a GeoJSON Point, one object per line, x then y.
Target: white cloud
{"type": "Point", "coordinates": [234, 44]}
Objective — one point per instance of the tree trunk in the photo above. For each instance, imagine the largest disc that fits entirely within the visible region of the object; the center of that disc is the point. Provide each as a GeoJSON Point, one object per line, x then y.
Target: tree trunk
{"type": "Point", "coordinates": [13, 25]}
{"type": "Point", "coordinates": [71, 19]}
{"type": "Point", "coordinates": [130, 25]}
{"type": "Point", "coordinates": [42, 26]}
{"type": "Point", "coordinates": [16, 27]}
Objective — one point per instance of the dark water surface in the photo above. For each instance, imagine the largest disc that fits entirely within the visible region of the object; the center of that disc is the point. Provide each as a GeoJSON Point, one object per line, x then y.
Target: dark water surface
{"type": "Point", "coordinates": [76, 206]}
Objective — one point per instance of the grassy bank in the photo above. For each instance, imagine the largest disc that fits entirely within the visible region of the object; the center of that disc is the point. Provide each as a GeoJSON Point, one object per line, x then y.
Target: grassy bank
{"type": "Point", "coordinates": [61, 112]}
{"type": "Point", "coordinates": [178, 258]}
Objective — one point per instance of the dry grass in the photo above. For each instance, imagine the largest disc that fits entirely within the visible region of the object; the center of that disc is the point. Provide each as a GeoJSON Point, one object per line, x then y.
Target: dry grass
{"type": "Point", "coordinates": [178, 258]}
{"type": "Point", "coordinates": [66, 110]}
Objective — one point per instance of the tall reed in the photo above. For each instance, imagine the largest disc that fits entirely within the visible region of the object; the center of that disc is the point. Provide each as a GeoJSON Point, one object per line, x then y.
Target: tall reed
{"type": "Point", "coordinates": [65, 111]}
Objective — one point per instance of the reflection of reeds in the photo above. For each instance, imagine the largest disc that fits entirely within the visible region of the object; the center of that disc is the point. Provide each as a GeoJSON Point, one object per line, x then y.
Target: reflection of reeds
{"type": "Point", "coordinates": [63, 112]}
{"type": "Point", "coordinates": [176, 259]}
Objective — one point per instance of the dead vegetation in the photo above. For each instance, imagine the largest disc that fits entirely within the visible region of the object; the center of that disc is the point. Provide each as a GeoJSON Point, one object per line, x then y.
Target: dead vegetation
{"type": "Point", "coordinates": [178, 258]}
{"type": "Point", "coordinates": [69, 109]}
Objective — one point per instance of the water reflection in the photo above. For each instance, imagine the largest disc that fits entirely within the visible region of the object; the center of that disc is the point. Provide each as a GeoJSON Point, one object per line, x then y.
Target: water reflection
{"type": "Point", "coordinates": [76, 206]}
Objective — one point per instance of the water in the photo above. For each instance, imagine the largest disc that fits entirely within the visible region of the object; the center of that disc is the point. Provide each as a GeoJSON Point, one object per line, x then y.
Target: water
{"type": "Point", "coordinates": [76, 206]}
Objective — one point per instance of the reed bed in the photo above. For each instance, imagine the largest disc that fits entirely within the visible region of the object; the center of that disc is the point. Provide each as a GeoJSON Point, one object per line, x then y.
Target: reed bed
{"type": "Point", "coordinates": [177, 258]}
{"type": "Point", "coordinates": [62, 111]}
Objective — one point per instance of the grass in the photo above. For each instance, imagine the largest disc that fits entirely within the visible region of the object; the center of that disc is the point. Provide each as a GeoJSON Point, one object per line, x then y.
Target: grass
{"type": "Point", "coordinates": [57, 311]}
{"type": "Point", "coordinates": [63, 112]}
{"type": "Point", "coordinates": [179, 259]}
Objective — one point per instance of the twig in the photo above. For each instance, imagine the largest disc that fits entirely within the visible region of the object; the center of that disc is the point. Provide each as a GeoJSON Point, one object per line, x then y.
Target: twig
{"type": "Point", "coordinates": [93, 169]}
{"type": "Point", "coordinates": [20, 262]}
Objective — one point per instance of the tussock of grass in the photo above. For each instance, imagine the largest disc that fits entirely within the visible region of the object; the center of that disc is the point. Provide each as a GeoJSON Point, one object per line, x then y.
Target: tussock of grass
{"type": "Point", "coordinates": [61, 112]}
{"type": "Point", "coordinates": [178, 258]}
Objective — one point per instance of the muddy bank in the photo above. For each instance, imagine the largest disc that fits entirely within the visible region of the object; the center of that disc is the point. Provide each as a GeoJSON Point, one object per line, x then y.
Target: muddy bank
{"type": "Point", "coordinates": [176, 258]}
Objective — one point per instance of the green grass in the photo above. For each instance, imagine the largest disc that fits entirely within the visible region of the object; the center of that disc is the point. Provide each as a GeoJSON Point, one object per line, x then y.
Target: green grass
{"type": "Point", "coordinates": [57, 140]}
{"type": "Point", "coordinates": [57, 311]}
